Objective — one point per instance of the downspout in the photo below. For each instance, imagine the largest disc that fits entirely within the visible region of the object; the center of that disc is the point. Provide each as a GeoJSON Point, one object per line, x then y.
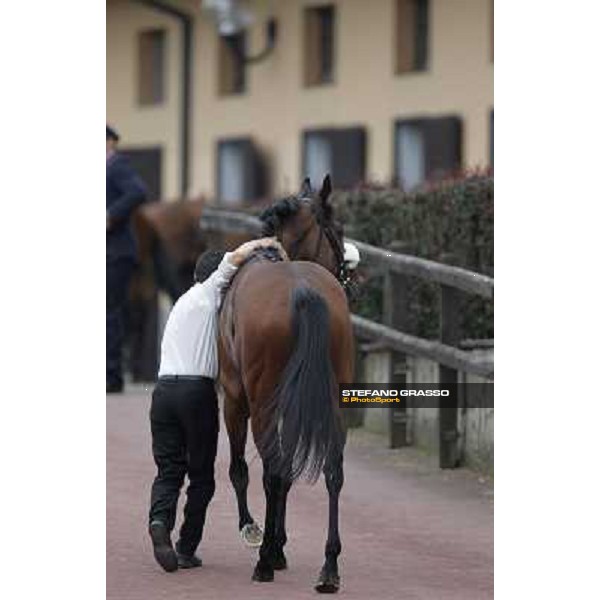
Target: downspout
{"type": "Point", "coordinates": [187, 30]}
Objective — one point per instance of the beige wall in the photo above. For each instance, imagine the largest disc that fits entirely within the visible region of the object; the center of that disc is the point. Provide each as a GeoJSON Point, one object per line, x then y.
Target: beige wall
{"type": "Point", "coordinates": [142, 126]}
{"type": "Point", "coordinates": [277, 107]}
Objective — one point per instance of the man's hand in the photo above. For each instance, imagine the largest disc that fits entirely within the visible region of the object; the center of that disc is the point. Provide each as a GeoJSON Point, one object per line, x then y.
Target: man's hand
{"type": "Point", "coordinates": [238, 256]}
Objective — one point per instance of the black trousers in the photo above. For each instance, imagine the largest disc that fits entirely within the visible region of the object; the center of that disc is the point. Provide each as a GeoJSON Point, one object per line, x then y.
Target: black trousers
{"type": "Point", "coordinates": [118, 276]}
{"type": "Point", "coordinates": [184, 419]}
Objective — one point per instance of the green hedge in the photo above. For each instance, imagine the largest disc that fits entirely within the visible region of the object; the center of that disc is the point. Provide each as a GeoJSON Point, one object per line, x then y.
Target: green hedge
{"type": "Point", "coordinates": [450, 222]}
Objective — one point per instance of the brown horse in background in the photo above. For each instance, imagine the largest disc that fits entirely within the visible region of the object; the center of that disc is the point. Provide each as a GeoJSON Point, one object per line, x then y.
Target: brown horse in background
{"type": "Point", "coordinates": [169, 241]}
{"type": "Point", "coordinates": [285, 343]}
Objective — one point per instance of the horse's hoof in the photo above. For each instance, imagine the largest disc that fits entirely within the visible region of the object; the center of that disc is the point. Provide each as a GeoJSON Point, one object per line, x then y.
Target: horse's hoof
{"type": "Point", "coordinates": [252, 535]}
{"type": "Point", "coordinates": [263, 574]}
{"type": "Point", "coordinates": [328, 584]}
{"type": "Point", "coordinates": [280, 562]}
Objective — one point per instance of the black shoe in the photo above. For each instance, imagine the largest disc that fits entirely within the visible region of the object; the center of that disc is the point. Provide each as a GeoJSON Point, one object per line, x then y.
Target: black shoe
{"type": "Point", "coordinates": [188, 562]}
{"type": "Point", "coordinates": [164, 552]}
{"type": "Point", "coordinates": [114, 388]}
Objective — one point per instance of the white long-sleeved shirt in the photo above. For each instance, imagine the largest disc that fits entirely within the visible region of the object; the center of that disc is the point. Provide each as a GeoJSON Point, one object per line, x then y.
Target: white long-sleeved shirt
{"type": "Point", "coordinates": [189, 344]}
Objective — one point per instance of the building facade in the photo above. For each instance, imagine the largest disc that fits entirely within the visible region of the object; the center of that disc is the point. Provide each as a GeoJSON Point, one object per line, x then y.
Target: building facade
{"type": "Point", "coordinates": [374, 90]}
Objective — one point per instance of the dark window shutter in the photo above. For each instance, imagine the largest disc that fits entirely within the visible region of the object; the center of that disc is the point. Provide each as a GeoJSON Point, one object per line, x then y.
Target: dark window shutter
{"type": "Point", "coordinates": [151, 67]}
{"type": "Point", "coordinates": [232, 69]}
{"type": "Point", "coordinates": [443, 146]}
{"type": "Point", "coordinates": [349, 149]}
{"type": "Point", "coordinates": [259, 168]}
{"type": "Point", "coordinates": [421, 34]}
{"type": "Point", "coordinates": [239, 68]}
{"type": "Point", "coordinates": [319, 44]}
{"type": "Point", "coordinates": [254, 172]}
{"type": "Point", "coordinates": [158, 67]}
{"type": "Point", "coordinates": [326, 42]}
{"type": "Point", "coordinates": [221, 149]}
{"type": "Point", "coordinates": [248, 166]}
{"type": "Point", "coordinates": [147, 162]}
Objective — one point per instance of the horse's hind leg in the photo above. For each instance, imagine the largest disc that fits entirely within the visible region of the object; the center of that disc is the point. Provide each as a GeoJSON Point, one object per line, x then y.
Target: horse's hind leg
{"type": "Point", "coordinates": [273, 485]}
{"type": "Point", "coordinates": [279, 560]}
{"type": "Point", "coordinates": [236, 420]}
{"type": "Point", "coordinates": [329, 579]}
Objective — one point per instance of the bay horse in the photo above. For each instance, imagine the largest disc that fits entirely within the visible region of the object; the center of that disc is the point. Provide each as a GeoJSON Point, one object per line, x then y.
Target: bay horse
{"type": "Point", "coordinates": [285, 343]}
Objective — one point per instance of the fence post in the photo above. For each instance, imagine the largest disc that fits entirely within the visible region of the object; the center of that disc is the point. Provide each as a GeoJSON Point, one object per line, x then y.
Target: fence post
{"type": "Point", "coordinates": [395, 314]}
{"type": "Point", "coordinates": [450, 333]}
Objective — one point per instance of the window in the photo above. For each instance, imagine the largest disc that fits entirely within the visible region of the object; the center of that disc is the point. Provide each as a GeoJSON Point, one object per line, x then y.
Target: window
{"type": "Point", "coordinates": [426, 149]}
{"type": "Point", "coordinates": [151, 57]}
{"type": "Point", "coordinates": [410, 142]}
{"type": "Point", "coordinates": [339, 152]}
{"type": "Point", "coordinates": [318, 156]}
{"type": "Point", "coordinates": [240, 171]}
{"type": "Point", "coordinates": [412, 35]}
{"type": "Point", "coordinates": [319, 45]}
{"type": "Point", "coordinates": [232, 70]}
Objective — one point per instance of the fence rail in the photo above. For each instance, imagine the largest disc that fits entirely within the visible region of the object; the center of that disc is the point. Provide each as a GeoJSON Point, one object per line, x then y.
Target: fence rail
{"type": "Point", "coordinates": [413, 266]}
{"type": "Point", "coordinates": [416, 346]}
{"type": "Point", "coordinates": [229, 221]}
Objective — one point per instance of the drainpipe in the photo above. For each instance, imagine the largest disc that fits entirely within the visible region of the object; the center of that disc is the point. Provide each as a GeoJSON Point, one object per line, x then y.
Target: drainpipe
{"type": "Point", "coordinates": [186, 22]}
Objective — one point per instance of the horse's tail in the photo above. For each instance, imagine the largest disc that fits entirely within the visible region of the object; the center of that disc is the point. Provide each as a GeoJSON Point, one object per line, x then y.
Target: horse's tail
{"type": "Point", "coordinates": [306, 428]}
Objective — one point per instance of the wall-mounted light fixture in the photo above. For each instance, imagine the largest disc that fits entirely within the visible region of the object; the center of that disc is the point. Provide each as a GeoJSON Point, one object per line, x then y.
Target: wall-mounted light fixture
{"type": "Point", "coordinates": [232, 17]}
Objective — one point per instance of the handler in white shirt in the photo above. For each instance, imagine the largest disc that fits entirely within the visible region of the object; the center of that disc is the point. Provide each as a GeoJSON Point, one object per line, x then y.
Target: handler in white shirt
{"type": "Point", "coordinates": [184, 412]}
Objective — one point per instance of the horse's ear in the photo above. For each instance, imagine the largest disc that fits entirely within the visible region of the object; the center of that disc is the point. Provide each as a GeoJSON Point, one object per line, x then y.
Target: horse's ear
{"type": "Point", "coordinates": [324, 195]}
{"type": "Point", "coordinates": [306, 189]}
{"type": "Point", "coordinates": [325, 189]}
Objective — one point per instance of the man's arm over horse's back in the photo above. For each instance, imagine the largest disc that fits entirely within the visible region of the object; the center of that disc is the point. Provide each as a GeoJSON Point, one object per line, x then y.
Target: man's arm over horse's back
{"type": "Point", "coordinates": [220, 279]}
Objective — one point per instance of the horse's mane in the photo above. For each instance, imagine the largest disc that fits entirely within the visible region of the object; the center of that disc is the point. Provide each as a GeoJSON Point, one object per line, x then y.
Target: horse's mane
{"type": "Point", "coordinates": [275, 216]}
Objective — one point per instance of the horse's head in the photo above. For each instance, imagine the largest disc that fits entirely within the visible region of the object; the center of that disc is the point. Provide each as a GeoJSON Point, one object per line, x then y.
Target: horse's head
{"type": "Point", "coordinates": [306, 227]}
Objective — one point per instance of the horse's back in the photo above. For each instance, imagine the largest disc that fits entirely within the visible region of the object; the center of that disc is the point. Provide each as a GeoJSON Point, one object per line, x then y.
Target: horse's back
{"type": "Point", "coordinates": [265, 290]}
{"type": "Point", "coordinates": [264, 282]}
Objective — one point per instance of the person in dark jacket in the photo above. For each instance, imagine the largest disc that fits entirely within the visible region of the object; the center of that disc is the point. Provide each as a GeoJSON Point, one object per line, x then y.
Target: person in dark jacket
{"type": "Point", "coordinates": [124, 192]}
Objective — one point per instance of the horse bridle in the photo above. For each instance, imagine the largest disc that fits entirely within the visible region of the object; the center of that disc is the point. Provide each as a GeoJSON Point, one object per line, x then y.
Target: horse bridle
{"type": "Point", "coordinates": [326, 230]}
